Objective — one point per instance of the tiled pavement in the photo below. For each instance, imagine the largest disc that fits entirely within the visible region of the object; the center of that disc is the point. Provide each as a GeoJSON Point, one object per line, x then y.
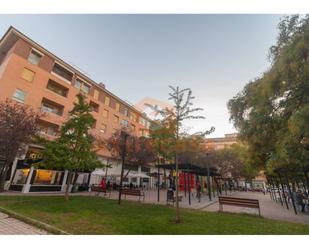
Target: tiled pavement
{"type": "Point", "coordinates": [269, 208]}
{"type": "Point", "coordinates": [11, 226]}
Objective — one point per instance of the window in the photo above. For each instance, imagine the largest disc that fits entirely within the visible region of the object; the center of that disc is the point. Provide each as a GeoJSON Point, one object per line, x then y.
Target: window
{"type": "Point", "coordinates": [94, 106]}
{"type": "Point", "coordinates": [107, 101]}
{"type": "Point", "coordinates": [51, 107]}
{"type": "Point", "coordinates": [78, 83]}
{"type": "Point", "coordinates": [116, 119]}
{"type": "Point", "coordinates": [133, 127]}
{"type": "Point", "coordinates": [124, 123]}
{"type": "Point", "coordinates": [117, 107]}
{"type": "Point", "coordinates": [142, 121]}
{"type": "Point", "coordinates": [20, 176]}
{"type": "Point", "coordinates": [34, 57]}
{"type": "Point", "coordinates": [57, 88]}
{"type": "Point", "coordinates": [96, 94]}
{"type": "Point", "coordinates": [125, 111]}
{"type": "Point", "coordinates": [133, 117]}
{"type": "Point", "coordinates": [85, 88]}
{"type": "Point", "coordinates": [62, 72]}
{"type": "Point", "coordinates": [105, 113]}
{"type": "Point", "coordinates": [48, 128]}
{"type": "Point", "coordinates": [47, 177]}
{"type": "Point", "coordinates": [103, 128]}
{"type": "Point", "coordinates": [19, 95]}
{"type": "Point", "coordinates": [27, 74]}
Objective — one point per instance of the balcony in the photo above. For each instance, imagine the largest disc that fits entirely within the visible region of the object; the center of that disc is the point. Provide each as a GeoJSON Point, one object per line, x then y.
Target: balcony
{"type": "Point", "coordinates": [94, 106]}
{"type": "Point", "coordinates": [62, 72]}
{"type": "Point", "coordinates": [46, 128]}
{"type": "Point", "coordinates": [57, 88]}
{"type": "Point", "coordinates": [51, 107]}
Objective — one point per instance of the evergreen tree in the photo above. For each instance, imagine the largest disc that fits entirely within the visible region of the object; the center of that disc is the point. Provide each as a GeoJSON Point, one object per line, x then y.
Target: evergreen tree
{"type": "Point", "coordinates": [74, 149]}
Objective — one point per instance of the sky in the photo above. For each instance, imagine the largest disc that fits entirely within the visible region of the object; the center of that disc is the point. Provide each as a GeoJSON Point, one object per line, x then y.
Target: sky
{"type": "Point", "coordinates": [139, 56]}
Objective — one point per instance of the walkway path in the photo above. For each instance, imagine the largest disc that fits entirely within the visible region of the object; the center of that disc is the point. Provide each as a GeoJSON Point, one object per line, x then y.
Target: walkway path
{"type": "Point", "coordinates": [11, 226]}
{"type": "Point", "coordinates": [269, 208]}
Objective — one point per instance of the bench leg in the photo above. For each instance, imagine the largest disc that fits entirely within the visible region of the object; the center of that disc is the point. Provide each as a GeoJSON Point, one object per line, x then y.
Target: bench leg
{"type": "Point", "coordinates": [220, 208]}
{"type": "Point", "coordinates": [259, 212]}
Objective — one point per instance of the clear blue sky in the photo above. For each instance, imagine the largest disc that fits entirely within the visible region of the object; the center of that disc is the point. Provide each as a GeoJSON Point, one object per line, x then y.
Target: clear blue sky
{"type": "Point", "coordinates": [140, 55]}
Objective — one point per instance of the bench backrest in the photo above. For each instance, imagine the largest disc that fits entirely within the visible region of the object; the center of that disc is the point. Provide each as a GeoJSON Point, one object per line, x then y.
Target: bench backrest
{"type": "Point", "coordinates": [131, 191]}
{"type": "Point", "coordinates": [239, 202]}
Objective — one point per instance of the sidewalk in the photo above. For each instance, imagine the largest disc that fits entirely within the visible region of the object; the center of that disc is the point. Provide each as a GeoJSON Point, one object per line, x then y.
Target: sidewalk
{"type": "Point", "coordinates": [11, 226]}
{"type": "Point", "coordinates": [269, 208]}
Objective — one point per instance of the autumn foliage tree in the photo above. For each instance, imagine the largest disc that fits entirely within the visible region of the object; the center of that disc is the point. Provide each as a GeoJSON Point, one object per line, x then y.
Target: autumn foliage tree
{"type": "Point", "coordinates": [18, 123]}
{"type": "Point", "coordinates": [139, 150]}
{"type": "Point", "coordinates": [182, 110]}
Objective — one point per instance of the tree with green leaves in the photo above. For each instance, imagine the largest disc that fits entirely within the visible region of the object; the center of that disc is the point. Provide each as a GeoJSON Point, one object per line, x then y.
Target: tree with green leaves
{"type": "Point", "coordinates": [271, 112]}
{"type": "Point", "coordinates": [182, 110]}
{"type": "Point", "coordinates": [74, 149]}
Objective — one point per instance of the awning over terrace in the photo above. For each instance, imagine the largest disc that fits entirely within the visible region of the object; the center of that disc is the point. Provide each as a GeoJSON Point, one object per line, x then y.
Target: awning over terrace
{"type": "Point", "coordinates": [190, 168]}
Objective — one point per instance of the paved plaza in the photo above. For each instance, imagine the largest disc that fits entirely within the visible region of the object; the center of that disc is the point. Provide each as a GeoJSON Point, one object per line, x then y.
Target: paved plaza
{"type": "Point", "coordinates": [269, 208]}
{"type": "Point", "coordinates": [12, 226]}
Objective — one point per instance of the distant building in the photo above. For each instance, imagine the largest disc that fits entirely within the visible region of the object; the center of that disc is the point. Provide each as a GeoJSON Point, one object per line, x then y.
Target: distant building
{"type": "Point", "coordinates": [144, 107]}
{"type": "Point", "coordinates": [219, 143]}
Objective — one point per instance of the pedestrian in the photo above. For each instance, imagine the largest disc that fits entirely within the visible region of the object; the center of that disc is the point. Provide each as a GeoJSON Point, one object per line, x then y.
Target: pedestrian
{"type": "Point", "coordinates": [198, 191]}
{"type": "Point", "coordinates": [108, 185]}
{"type": "Point", "coordinates": [103, 184]}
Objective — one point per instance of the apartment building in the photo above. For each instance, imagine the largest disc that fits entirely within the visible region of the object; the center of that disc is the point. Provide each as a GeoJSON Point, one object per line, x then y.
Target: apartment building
{"type": "Point", "coordinates": [221, 142]}
{"type": "Point", "coordinates": [32, 75]}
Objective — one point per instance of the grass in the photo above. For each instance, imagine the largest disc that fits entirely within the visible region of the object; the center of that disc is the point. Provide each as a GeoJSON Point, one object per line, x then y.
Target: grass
{"type": "Point", "coordinates": [92, 215]}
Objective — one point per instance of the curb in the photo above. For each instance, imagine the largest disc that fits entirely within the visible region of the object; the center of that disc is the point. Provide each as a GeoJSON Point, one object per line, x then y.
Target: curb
{"type": "Point", "coordinates": [33, 222]}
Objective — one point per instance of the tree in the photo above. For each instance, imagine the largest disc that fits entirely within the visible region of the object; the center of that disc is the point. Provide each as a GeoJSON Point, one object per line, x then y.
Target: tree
{"type": "Point", "coordinates": [74, 149]}
{"type": "Point", "coordinates": [270, 113]}
{"type": "Point", "coordinates": [139, 150]}
{"type": "Point", "coordinates": [18, 123]}
{"type": "Point", "coordinates": [182, 110]}
{"type": "Point", "coordinates": [234, 162]}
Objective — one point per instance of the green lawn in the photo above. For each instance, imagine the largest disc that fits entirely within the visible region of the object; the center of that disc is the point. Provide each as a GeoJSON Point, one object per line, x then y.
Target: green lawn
{"type": "Point", "coordinates": [92, 215]}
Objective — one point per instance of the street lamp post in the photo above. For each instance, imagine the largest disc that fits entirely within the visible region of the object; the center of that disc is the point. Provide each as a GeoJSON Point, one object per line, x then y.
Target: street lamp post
{"type": "Point", "coordinates": [305, 143]}
{"type": "Point", "coordinates": [208, 177]}
{"type": "Point", "coordinates": [124, 135]}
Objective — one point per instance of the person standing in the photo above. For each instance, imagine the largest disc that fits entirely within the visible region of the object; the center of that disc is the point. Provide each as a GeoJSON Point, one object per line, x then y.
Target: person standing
{"type": "Point", "coordinates": [198, 191]}
{"type": "Point", "coordinates": [103, 185]}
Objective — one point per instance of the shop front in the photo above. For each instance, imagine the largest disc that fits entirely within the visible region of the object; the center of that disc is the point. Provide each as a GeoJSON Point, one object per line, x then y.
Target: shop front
{"type": "Point", "coordinates": [27, 178]}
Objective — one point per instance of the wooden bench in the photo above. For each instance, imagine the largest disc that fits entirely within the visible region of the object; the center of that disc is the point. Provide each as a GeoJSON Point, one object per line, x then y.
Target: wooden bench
{"type": "Point", "coordinates": [134, 192]}
{"type": "Point", "coordinates": [97, 189]}
{"type": "Point", "coordinates": [241, 202]}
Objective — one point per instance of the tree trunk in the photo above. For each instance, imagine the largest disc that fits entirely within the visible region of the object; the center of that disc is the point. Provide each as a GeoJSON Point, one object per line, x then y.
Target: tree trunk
{"type": "Point", "coordinates": [2, 183]}
{"type": "Point", "coordinates": [176, 183]}
{"type": "Point", "coordinates": [66, 194]}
